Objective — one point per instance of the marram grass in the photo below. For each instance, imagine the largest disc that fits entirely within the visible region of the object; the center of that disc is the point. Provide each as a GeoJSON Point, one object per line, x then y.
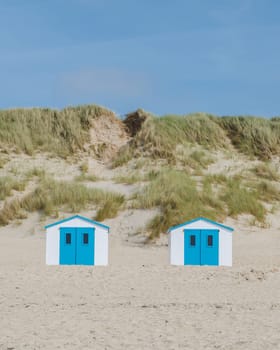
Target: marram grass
{"type": "Point", "coordinates": [51, 196]}
{"type": "Point", "coordinates": [177, 196]}
{"type": "Point", "coordinates": [63, 132]}
{"type": "Point", "coordinates": [175, 193]}
{"type": "Point", "coordinates": [7, 184]}
{"type": "Point", "coordinates": [60, 132]}
{"type": "Point", "coordinates": [159, 137]}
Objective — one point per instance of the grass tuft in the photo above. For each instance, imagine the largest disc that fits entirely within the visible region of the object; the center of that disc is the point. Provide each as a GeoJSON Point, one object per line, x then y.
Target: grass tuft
{"type": "Point", "coordinates": [87, 177]}
{"type": "Point", "coordinates": [124, 155]}
{"type": "Point", "coordinates": [51, 196]}
{"type": "Point", "coordinates": [84, 167]}
{"type": "Point", "coordinates": [110, 208]}
{"type": "Point", "coordinates": [160, 135]}
{"type": "Point", "coordinates": [267, 192]}
{"type": "Point", "coordinates": [129, 179]}
{"type": "Point", "coordinates": [36, 172]}
{"type": "Point", "coordinates": [7, 184]}
{"type": "Point", "coordinates": [266, 171]}
{"type": "Point", "coordinates": [60, 132]}
{"type": "Point", "coordinates": [3, 161]}
{"type": "Point", "coordinates": [241, 200]}
{"type": "Point", "coordinates": [253, 136]}
{"type": "Point", "coordinates": [175, 193]}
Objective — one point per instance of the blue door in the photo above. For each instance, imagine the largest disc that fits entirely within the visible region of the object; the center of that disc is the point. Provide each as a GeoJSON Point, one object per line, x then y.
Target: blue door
{"type": "Point", "coordinates": [201, 247]}
{"type": "Point", "coordinates": [67, 246]}
{"type": "Point", "coordinates": [85, 246]}
{"type": "Point", "coordinates": [76, 246]}
{"type": "Point", "coordinates": [192, 253]}
{"type": "Point", "coordinates": [209, 247]}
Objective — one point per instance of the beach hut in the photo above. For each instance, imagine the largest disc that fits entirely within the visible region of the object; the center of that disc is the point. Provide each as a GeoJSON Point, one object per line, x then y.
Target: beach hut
{"type": "Point", "coordinates": [200, 242]}
{"type": "Point", "coordinates": [77, 240]}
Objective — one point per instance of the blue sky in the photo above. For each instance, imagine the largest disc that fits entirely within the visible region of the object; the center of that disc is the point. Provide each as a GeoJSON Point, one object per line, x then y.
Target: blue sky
{"type": "Point", "coordinates": [179, 56]}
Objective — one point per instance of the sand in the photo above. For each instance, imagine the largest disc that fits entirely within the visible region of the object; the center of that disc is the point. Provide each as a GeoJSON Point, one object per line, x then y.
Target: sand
{"type": "Point", "coordinates": [139, 301]}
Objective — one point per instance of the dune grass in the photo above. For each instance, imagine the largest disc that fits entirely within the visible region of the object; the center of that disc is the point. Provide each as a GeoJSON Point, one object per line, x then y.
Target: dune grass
{"type": "Point", "coordinates": [196, 160]}
{"type": "Point", "coordinates": [242, 196]}
{"type": "Point", "coordinates": [3, 161]}
{"type": "Point", "coordinates": [136, 176]}
{"type": "Point", "coordinates": [124, 155]}
{"type": "Point", "coordinates": [35, 172]}
{"type": "Point", "coordinates": [175, 193]}
{"type": "Point", "coordinates": [60, 132]}
{"type": "Point", "coordinates": [51, 196]}
{"type": "Point", "coordinates": [241, 200]}
{"type": "Point", "coordinates": [109, 208]}
{"type": "Point", "coordinates": [161, 135]}
{"type": "Point", "coordinates": [215, 178]}
{"type": "Point", "coordinates": [177, 196]}
{"type": "Point", "coordinates": [129, 179]}
{"type": "Point", "coordinates": [266, 171]}
{"type": "Point", "coordinates": [254, 136]}
{"type": "Point", "coordinates": [11, 210]}
{"type": "Point", "coordinates": [7, 184]}
{"type": "Point", "coordinates": [84, 168]}
{"type": "Point", "coordinates": [87, 177]}
{"type": "Point", "coordinates": [201, 158]}
{"type": "Point", "coordinates": [266, 191]}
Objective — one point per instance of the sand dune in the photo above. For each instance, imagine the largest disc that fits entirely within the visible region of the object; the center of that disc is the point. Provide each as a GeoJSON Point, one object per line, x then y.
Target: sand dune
{"type": "Point", "coordinates": [139, 301]}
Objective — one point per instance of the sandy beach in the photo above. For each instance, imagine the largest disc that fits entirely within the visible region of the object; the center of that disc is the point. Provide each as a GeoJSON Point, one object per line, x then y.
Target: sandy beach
{"type": "Point", "coordinates": [138, 301]}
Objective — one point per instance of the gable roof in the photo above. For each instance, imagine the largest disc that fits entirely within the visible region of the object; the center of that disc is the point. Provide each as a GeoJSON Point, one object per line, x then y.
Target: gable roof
{"type": "Point", "coordinates": [78, 217]}
{"type": "Point", "coordinates": [203, 219]}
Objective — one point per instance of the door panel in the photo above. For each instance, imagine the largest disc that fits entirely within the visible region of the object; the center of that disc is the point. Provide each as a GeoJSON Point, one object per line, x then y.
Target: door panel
{"type": "Point", "coordinates": [192, 253]}
{"type": "Point", "coordinates": [67, 247]}
{"type": "Point", "coordinates": [85, 246]}
{"type": "Point", "coordinates": [209, 247]}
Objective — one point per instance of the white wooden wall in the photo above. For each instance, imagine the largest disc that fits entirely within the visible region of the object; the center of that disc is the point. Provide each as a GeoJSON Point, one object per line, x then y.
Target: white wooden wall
{"type": "Point", "coordinates": [52, 246]}
{"type": "Point", "coordinates": [53, 242]}
{"type": "Point", "coordinates": [225, 248]}
{"type": "Point", "coordinates": [101, 246]}
{"type": "Point", "coordinates": [176, 243]}
{"type": "Point", "coordinates": [176, 247]}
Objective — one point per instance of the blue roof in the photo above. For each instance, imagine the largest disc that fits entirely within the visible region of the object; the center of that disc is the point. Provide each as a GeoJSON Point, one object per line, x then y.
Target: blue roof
{"type": "Point", "coordinates": [78, 217]}
{"type": "Point", "coordinates": [203, 219]}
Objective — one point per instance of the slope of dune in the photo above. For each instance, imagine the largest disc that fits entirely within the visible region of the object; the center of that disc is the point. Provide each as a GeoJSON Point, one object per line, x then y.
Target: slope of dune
{"type": "Point", "coordinates": [140, 175]}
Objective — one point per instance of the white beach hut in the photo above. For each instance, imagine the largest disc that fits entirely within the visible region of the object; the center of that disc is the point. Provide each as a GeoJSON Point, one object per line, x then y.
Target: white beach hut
{"type": "Point", "coordinates": [200, 242]}
{"type": "Point", "coordinates": [77, 240]}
